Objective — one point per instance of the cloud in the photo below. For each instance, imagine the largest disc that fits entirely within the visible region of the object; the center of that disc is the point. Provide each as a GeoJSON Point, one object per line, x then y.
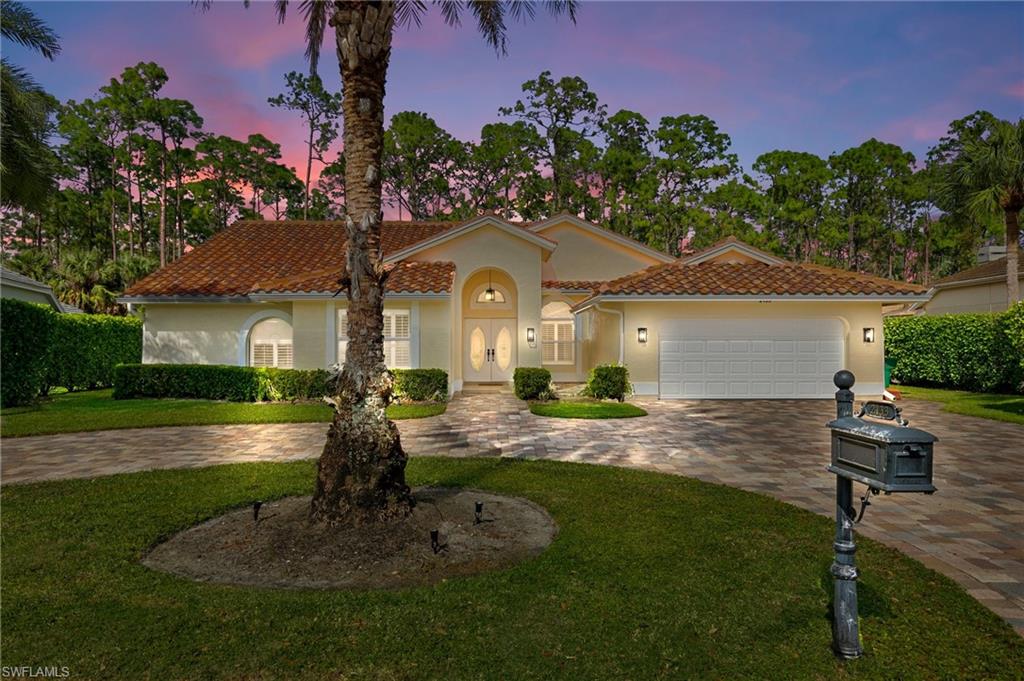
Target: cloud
{"type": "Point", "coordinates": [1015, 90]}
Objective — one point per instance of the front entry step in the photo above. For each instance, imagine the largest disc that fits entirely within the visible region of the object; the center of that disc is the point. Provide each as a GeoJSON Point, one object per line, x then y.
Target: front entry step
{"type": "Point", "coordinates": [485, 388]}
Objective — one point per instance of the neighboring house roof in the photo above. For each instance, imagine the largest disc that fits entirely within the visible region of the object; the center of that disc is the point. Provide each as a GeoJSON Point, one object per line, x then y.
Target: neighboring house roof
{"type": "Point", "coordinates": [731, 243]}
{"type": "Point", "coordinates": [992, 271]}
{"type": "Point", "coordinates": [12, 279]}
{"type": "Point", "coordinates": [264, 255]}
{"type": "Point", "coordinates": [629, 242]}
{"type": "Point", "coordinates": [758, 279]}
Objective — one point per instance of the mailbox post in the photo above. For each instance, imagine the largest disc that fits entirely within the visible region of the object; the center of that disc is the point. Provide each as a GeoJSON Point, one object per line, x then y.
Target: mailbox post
{"type": "Point", "coordinates": [886, 458]}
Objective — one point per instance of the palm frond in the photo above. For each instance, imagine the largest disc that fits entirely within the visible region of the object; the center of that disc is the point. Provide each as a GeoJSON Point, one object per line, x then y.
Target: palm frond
{"type": "Point", "coordinates": [409, 12]}
{"type": "Point", "coordinates": [20, 24]}
{"type": "Point", "coordinates": [316, 13]}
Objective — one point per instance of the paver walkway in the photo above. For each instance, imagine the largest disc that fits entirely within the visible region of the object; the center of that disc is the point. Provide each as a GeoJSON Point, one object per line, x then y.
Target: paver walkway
{"type": "Point", "coordinates": [972, 530]}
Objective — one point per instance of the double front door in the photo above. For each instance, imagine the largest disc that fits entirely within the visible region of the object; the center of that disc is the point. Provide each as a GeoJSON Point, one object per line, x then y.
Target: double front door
{"type": "Point", "coordinates": [489, 348]}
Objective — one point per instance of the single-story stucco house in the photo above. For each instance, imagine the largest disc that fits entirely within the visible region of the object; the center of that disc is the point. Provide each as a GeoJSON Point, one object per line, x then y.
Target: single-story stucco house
{"type": "Point", "coordinates": [978, 289]}
{"type": "Point", "coordinates": [482, 297]}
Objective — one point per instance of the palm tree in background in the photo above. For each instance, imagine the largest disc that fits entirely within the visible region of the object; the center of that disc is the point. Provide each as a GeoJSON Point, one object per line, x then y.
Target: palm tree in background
{"type": "Point", "coordinates": [990, 169]}
{"type": "Point", "coordinates": [27, 163]}
{"type": "Point", "coordinates": [361, 472]}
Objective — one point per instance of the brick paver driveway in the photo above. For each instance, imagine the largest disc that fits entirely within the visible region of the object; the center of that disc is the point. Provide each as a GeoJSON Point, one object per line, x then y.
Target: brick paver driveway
{"type": "Point", "coordinates": [971, 530]}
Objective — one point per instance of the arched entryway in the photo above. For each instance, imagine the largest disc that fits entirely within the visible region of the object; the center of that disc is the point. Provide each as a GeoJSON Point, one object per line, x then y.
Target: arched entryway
{"type": "Point", "coordinates": [489, 303]}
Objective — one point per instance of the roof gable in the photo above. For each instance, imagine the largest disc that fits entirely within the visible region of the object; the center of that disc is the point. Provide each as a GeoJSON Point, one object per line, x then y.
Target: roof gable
{"type": "Point", "coordinates": [598, 231]}
{"type": "Point", "coordinates": [994, 270]}
{"type": "Point", "coordinates": [467, 228]}
{"type": "Point", "coordinates": [732, 250]}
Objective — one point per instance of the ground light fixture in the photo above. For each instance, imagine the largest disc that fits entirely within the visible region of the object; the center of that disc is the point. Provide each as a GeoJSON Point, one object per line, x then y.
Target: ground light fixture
{"type": "Point", "coordinates": [478, 511]}
{"type": "Point", "coordinates": [641, 335]}
{"type": "Point", "coordinates": [869, 334]}
{"type": "Point", "coordinates": [435, 543]}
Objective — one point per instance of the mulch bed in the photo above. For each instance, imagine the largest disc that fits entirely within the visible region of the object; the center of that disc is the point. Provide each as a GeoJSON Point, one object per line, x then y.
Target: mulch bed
{"type": "Point", "coordinates": [283, 550]}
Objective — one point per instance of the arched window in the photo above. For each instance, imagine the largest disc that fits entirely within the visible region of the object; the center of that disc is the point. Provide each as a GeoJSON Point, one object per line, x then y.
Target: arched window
{"type": "Point", "coordinates": [557, 334]}
{"type": "Point", "coordinates": [270, 344]}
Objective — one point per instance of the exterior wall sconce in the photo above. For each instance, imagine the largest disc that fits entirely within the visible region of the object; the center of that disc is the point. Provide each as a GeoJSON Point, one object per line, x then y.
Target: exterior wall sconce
{"type": "Point", "coordinates": [531, 336]}
{"type": "Point", "coordinates": [641, 335]}
{"type": "Point", "coordinates": [869, 334]}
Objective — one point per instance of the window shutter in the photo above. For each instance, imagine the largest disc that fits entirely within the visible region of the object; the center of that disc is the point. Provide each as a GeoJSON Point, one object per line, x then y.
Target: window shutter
{"type": "Point", "coordinates": [263, 354]}
{"type": "Point", "coordinates": [284, 355]}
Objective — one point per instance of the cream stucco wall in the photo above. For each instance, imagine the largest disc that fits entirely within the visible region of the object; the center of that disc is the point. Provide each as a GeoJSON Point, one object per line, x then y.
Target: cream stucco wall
{"type": "Point", "coordinates": [491, 247]}
{"type": "Point", "coordinates": [177, 333]}
{"type": "Point", "coordinates": [865, 360]}
{"type": "Point", "coordinates": [582, 255]}
{"type": "Point", "coordinates": [214, 333]}
{"type": "Point", "coordinates": [977, 298]}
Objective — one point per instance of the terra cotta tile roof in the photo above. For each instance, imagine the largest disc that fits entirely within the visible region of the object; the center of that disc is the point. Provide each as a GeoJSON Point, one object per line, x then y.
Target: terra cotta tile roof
{"type": "Point", "coordinates": [253, 254]}
{"type": "Point", "coordinates": [403, 277]}
{"type": "Point", "coordinates": [993, 268]}
{"type": "Point", "coordinates": [573, 284]}
{"type": "Point", "coordinates": [753, 279]}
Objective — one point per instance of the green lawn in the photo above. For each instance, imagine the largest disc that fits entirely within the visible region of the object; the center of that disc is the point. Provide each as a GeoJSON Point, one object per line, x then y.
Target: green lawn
{"type": "Point", "coordinates": [651, 576]}
{"type": "Point", "coordinates": [97, 410]}
{"type": "Point", "coordinates": [586, 409]}
{"type": "Point", "coordinates": [984, 405]}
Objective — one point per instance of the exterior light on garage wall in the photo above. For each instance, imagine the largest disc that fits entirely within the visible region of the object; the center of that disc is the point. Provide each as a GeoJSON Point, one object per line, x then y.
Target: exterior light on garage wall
{"type": "Point", "coordinates": [641, 334]}
{"type": "Point", "coordinates": [531, 336]}
{"type": "Point", "coordinates": [869, 334]}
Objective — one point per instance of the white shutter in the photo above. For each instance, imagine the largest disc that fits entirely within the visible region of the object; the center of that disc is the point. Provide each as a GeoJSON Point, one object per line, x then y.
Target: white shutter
{"type": "Point", "coordinates": [262, 354]}
{"type": "Point", "coordinates": [284, 355]}
{"type": "Point", "coordinates": [566, 343]}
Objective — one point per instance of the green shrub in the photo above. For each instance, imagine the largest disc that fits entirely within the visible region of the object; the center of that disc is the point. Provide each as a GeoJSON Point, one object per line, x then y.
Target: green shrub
{"type": "Point", "coordinates": [608, 382]}
{"type": "Point", "coordinates": [298, 384]}
{"type": "Point", "coordinates": [531, 382]}
{"type": "Point", "coordinates": [24, 348]}
{"type": "Point", "coordinates": [85, 348]}
{"type": "Point", "coordinates": [420, 385]}
{"type": "Point", "coordinates": [193, 381]}
{"type": "Point", "coordinates": [980, 352]}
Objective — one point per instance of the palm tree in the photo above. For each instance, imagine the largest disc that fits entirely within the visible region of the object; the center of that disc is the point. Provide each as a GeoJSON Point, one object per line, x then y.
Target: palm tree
{"type": "Point", "coordinates": [990, 169]}
{"type": "Point", "coordinates": [361, 472]}
{"type": "Point", "coordinates": [26, 161]}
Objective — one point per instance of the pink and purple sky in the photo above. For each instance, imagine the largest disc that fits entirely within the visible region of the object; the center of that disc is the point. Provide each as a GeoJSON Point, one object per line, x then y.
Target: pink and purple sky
{"type": "Point", "coordinates": [813, 77]}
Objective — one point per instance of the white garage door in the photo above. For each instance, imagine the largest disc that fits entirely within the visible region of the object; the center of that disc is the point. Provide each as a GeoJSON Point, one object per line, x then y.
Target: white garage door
{"type": "Point", "coordinates": [752, 359]}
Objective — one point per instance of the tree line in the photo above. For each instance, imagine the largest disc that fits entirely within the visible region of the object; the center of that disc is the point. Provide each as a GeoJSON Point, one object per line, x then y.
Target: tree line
{"type": "Point", "coordinates": [136, 180]}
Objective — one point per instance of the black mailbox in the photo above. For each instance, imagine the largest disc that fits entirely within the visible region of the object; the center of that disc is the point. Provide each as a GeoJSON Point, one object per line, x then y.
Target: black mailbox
{"type": "Point", "coordinates": [889, 457]}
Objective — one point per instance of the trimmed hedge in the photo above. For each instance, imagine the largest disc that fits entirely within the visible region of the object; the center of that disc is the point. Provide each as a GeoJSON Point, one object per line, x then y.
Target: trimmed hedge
{"type": "Point", "coordinates": [608, 382]}
{"type": "Point", "coordinates": [255, 384]}
{"type": "Point", "coordinates": [85, 348]}
{"type": "Point", "coordinates": [421, 385]}
{"type": "Point", "coordinates": [531, 382]}
{"type": "Point", "coordinates": [25, 333]}
{"type": "Point", "coordinates": [979, 352]}
{"type": "Point", "coordinates": [193, 381]}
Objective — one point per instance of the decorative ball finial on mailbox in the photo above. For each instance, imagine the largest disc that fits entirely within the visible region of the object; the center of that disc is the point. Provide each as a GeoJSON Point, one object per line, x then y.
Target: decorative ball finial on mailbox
{"type": "Point", "coordinates": [843, 379]}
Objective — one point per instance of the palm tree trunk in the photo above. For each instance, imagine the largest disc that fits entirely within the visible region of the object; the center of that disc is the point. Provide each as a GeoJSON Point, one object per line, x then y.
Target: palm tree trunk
{"type": "Point", "coordinates": [1012, 255]}
{"type": "Point", "coordinates": [361, 472]}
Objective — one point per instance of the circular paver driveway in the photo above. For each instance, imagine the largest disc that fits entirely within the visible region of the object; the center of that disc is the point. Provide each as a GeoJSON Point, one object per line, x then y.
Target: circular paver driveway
{"type": "Point", "coordinates": [971, 530]}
